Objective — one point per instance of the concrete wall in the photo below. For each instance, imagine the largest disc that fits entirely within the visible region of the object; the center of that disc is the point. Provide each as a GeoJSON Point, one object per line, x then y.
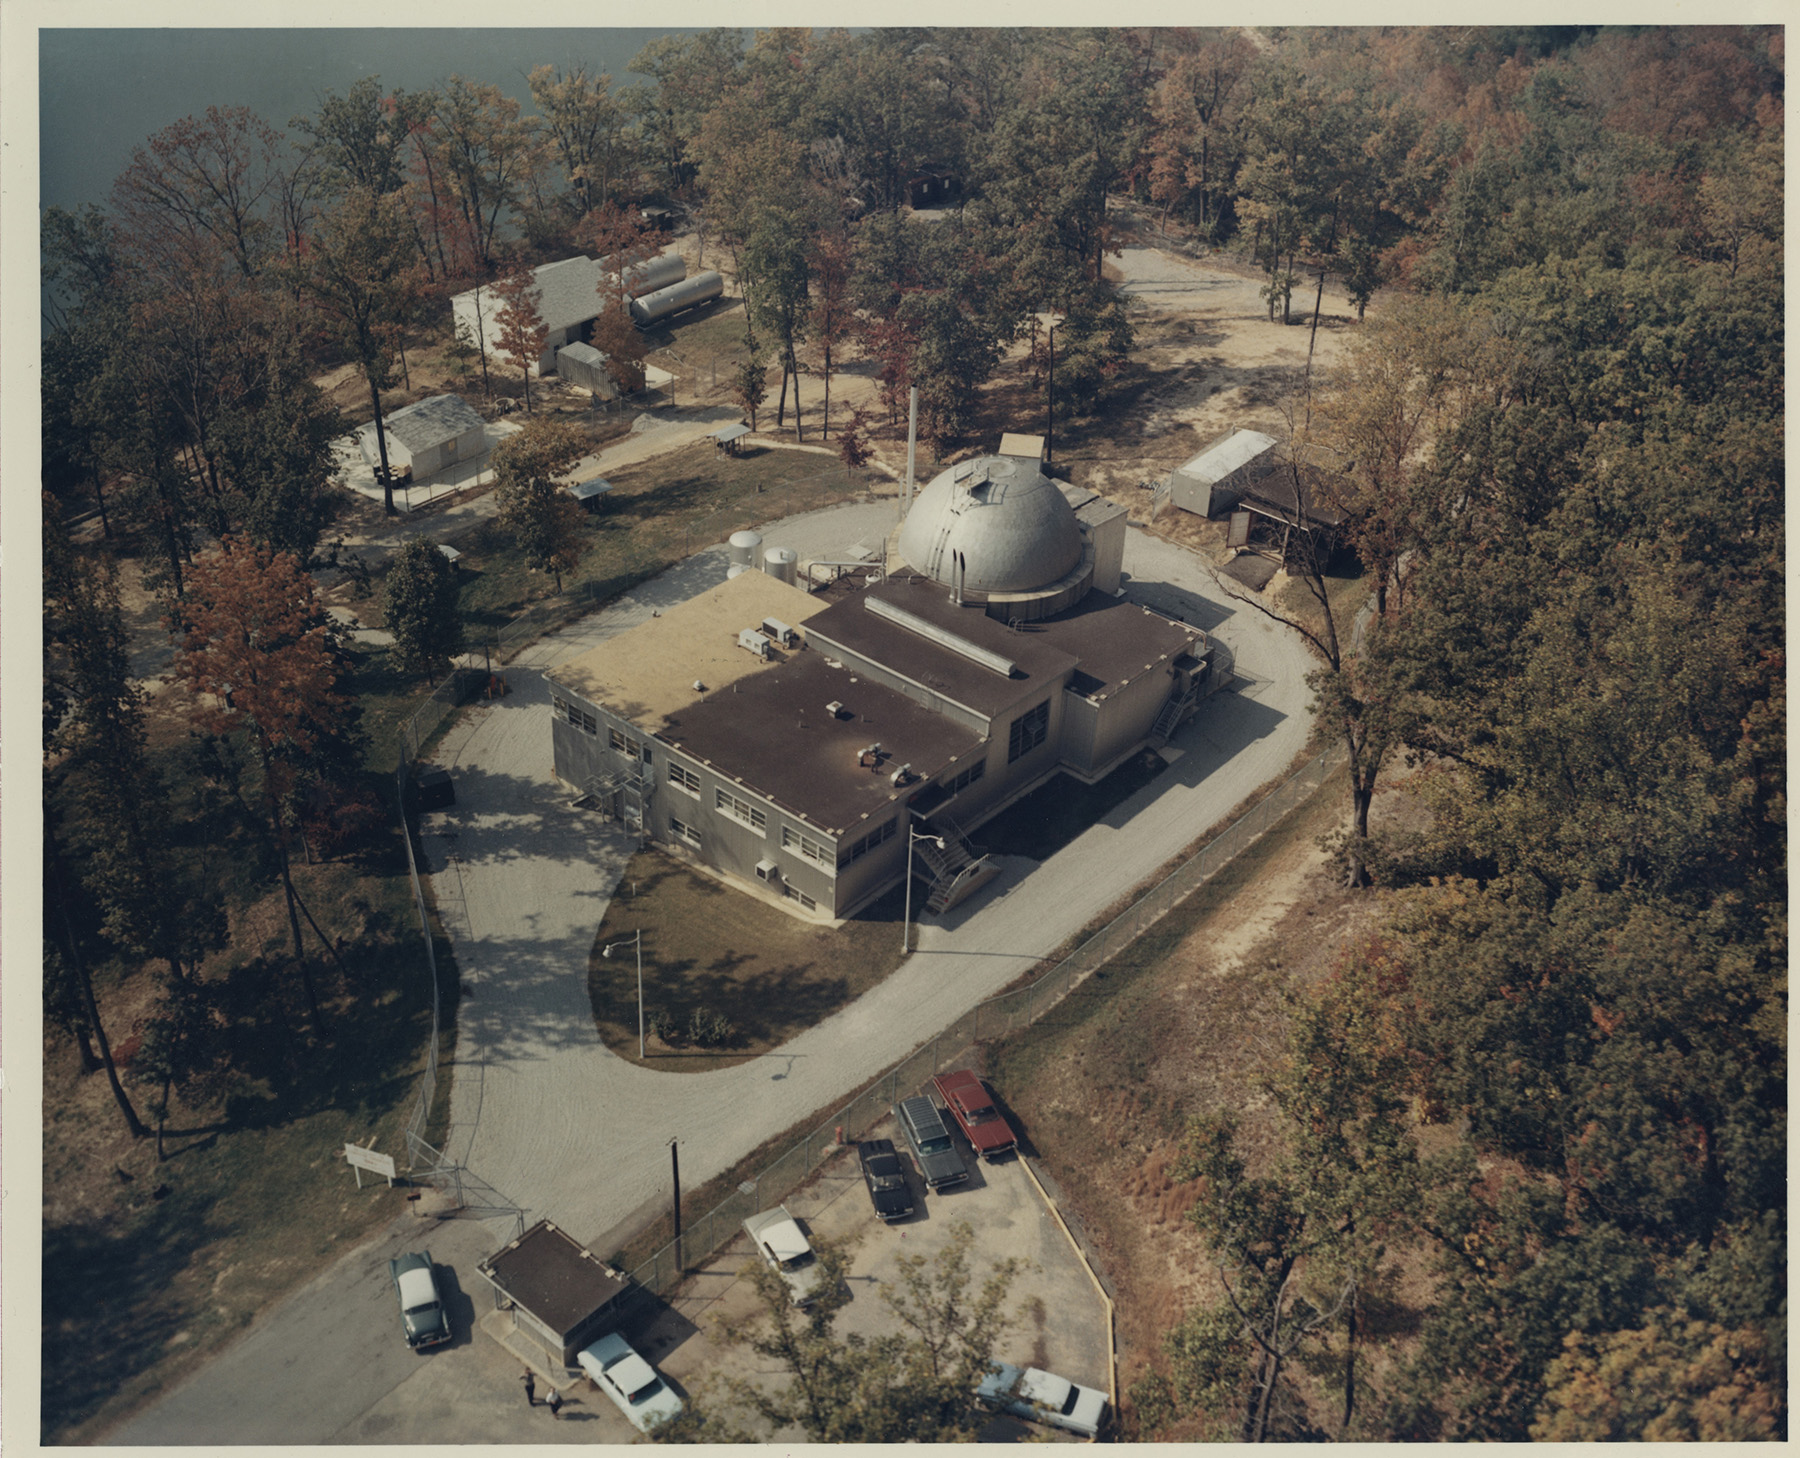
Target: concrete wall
{"type": "Point", "coordinates": [1128, 714]}
{"type": "Point", "coordinates": [1108, 537]}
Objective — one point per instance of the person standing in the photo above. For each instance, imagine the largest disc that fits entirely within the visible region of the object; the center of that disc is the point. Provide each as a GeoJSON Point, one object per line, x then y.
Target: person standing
{"type": "Point", "coordinates": [530, 1388]}
{"type": "Point", "coordinates": [555, 1402]}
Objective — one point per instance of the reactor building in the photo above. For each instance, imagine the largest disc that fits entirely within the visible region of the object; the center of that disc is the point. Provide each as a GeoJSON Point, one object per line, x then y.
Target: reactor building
{"type": "Point", "coordinates": [803, 743]}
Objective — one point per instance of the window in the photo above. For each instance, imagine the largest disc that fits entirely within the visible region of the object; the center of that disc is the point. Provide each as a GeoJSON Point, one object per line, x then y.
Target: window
{"type": "Point", "coordinates": [856, 850]}
{"type": "Point", "coordinates": [623, 743]}
{"type": "Point", "coordinates": [1028, 731]}
{"type": "Point", "coordinates": [794, 893]}
{"type": "Point", "coordinates": [588, 726]}
{"type": "Point", "coordinates": [967, 777]}
{"type": "Point", "coordinates": [741, 810]}
{"type": "Point", "coordinates": [684, 778]}
{"type": "Point", "coordinates": [681, 830]}
{"type": "Point", "coordinates": [807, 848]}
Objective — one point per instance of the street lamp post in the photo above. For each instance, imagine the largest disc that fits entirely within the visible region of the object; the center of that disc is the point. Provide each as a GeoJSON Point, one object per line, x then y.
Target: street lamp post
{"type": "Point", "coordinates": [912, 838]}
{"type": "Point", "coordinates": [637, 940]}
{"type": "Point", "coordinates": [1050, 400]}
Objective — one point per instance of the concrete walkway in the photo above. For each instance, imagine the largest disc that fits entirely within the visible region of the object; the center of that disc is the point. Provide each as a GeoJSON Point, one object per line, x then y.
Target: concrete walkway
{"type": "Point", "coordinates": [545, 1113]}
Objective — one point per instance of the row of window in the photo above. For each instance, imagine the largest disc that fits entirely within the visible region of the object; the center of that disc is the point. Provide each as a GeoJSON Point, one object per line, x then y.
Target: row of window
{"type": "Point", "coordinates": [681, 830]}
{"type": "Point", "coordinates": [684, 778]}
{"type": "Point", "coordinates": [727, 803]}
{"type": "Point", "coordinates": [569, 714]}
{"type": "Point", "coordinates": [1028, 731]}
{"type": "Point", "coordinates": [967, 777]}
{"type": "Point", "coordinates": [626, 745]}
{"type": "Point", "coordinates": [856, 850]}
{"type": "Point", "coordinates": [807, 848]}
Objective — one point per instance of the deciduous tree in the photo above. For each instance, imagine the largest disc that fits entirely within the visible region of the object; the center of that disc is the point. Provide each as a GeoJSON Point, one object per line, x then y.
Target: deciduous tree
{"type": "Point", "coordinates": [534, 507]}
{"type": "Point", "coordinates": [519, 326]}
{"type": "Point", "coordinates": [256, 649]}
{"type": "Point", "coordinates": [419, 601]}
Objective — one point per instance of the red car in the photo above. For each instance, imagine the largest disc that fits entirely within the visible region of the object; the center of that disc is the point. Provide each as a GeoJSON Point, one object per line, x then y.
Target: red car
{"type": "Point", "coordinates": [972, 1107]}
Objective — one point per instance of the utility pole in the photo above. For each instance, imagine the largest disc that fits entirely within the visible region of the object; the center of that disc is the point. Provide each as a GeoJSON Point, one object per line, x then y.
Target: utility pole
{"type": "Point", "coordinates": [675, 1170]}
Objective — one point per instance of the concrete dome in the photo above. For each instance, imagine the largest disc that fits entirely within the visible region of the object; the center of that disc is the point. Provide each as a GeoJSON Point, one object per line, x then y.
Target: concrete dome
{"type": "Point", "coordinates": [1010, 522]}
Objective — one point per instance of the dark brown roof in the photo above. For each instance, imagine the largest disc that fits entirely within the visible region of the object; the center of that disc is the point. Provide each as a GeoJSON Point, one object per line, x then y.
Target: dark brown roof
{"type": "Point", "coordinates": [1113, 639]}
{"type": "Point", "coordinates": [1273, 491]}
{"type": "Point", "coordinates": [770, 730]}
{"type": "Point", "coordinates": [552, 1277]}
{"type": "Point", "coordinates": [852, 626]}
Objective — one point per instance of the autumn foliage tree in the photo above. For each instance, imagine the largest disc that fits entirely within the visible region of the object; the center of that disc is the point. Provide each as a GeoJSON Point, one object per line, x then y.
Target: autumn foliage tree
{"type": "Point", "coordinates": [520, 329]}
{"type": "Point", "coordinates": [534, 507]}
{"type": "Point", "coordinates": [256, 651]}
{"type": "Point", "coordinates": [623, 246]}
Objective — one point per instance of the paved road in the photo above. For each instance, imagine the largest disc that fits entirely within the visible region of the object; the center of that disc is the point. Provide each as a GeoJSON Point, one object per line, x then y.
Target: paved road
{"type": "Point", "coordinates": [543, 1112]}
{"type": "Point", "coordinates": [546, 1114]}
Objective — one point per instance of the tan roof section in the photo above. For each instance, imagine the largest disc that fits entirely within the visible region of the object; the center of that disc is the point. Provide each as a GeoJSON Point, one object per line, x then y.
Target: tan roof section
{"type": "Point", "coordinates": [1029, 446]}
{"type": "Point", "coordinates": [648, 672]}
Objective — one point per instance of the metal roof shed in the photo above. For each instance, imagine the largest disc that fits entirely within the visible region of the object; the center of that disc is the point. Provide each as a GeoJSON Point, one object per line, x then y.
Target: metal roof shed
{"type": "Point", "coordinates": [1214, 480]}
{"type": "Point", "coordinates": [585, 366]}
{"type": "Point", "coordinates": [560, 1294]}
{"type": "Point", "coordinates": [589, 494]}
{"type": "Point", "coordinates": [428, 435]}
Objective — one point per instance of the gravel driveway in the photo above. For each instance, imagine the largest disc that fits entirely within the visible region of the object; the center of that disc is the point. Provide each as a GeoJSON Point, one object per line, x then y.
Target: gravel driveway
{"type": "Point", "coordinates": [541, 1109]}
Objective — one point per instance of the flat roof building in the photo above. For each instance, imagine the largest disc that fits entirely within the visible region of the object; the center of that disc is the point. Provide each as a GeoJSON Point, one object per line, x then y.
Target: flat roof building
{"type": "Point", "coordinates": [788, 739]}
{"type": "Point", "coordinates": [560, 1295]}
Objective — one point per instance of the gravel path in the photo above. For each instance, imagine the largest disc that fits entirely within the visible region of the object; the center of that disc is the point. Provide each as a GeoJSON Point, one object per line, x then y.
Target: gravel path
{"type": "Point", "coordinates": [541, 1110]}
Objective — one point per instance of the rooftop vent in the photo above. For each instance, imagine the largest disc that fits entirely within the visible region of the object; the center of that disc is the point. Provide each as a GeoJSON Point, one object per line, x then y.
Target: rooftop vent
{"type": "Point", "coordinates": [901, 775]}
{"type": "Point", "coordinates": [699, 687]}
{"type": "Point", "coordinates": [834, 708]}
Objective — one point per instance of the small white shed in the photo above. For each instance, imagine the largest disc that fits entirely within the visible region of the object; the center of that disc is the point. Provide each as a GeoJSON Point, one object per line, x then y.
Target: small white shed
{"type": "Point", "coordinates": [428, 436]}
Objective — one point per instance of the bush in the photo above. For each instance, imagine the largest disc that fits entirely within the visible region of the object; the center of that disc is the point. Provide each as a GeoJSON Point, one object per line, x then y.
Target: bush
{"type": "Point", "coordinates": [708, 1029]}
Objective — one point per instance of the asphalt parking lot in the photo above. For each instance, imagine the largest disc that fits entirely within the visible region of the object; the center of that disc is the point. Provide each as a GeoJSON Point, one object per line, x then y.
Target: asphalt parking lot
{"type": "Point", "coordinates": [1059, 1315]}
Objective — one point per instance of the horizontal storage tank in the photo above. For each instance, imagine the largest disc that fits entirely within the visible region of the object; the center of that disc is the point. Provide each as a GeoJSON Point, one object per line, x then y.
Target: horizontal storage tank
{"type": "Point", "coordinates": [655, 273]}
{"type": "Point", "coordinates": [780, 562]}
{"type": "Point", "coordinates": [700, 289]}
{"type": "Point", "coordinates": [745, 547]}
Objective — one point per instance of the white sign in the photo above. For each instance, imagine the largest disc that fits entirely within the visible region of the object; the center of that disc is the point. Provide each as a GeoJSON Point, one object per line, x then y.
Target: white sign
{"type": "Point", "coordinates": [361, 1159]}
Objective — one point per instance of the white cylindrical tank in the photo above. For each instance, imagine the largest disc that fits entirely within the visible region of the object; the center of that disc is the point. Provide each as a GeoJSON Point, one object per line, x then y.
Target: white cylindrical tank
{"type": "Point", "coordinates": [655, 273]}
{"type": "Point", "coordinates": [745, 547]}
{"type": "Point", "coordinates": [699, 289]}
{"type": "Point", "coordinates": [737, 569]}
{"type": "Point", "coordinates": [780, 562]}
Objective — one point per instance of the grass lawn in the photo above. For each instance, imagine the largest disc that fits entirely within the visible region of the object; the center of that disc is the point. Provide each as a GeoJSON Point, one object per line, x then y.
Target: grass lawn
{"type": "Point", "coordinates": [1052, 815]}
{"type": "Point", "coordinates": [709, 947]}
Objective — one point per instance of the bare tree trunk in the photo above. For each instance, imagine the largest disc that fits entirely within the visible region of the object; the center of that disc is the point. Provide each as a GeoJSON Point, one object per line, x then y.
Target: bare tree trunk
{"type": "Point", "coordinates": [53, 863]}
{"type": "Point", "coordinates": [387, 476]}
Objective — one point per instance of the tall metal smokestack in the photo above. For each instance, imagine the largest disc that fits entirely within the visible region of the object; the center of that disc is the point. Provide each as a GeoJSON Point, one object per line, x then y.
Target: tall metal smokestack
{"type": "Point", "coordinates": [912, 442]}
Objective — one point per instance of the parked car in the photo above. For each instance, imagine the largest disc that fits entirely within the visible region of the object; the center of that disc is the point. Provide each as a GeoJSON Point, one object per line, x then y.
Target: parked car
{"type": "Point", "coordinates": [635, 1387]}
{"type": "Point", "coordinates": [929, 1139]}
{"type": "Point", "coordinates": [972, 1106]}
{"type": "Point", "coordinates": [779, 1241]}
{"type": "Point", "coordinates": [422, 1318]}
{"type": "Point", "coordinates": [1040, 1396]}
{"type": "Point", "coordinates": [885, 1176]}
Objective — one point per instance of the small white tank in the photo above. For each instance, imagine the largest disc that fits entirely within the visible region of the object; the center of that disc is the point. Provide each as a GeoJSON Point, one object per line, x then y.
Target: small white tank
{"type": "Point", "coordinates": [737, 569]}
{"type": "Point", "coordinates": [780, 562]}
{"type": "Point", "coordinates": [746, 547]}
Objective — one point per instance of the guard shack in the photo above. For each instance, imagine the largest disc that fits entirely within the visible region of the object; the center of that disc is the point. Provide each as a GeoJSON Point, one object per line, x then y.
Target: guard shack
{"type": "Point", "coordinates": [559, 1295]}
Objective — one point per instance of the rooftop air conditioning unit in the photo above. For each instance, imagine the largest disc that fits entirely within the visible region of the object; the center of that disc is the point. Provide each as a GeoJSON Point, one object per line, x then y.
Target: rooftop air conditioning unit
{"type": "Point", "coordinates": [754, 641]}
{"type": "Point", "coordinates": [780, 632]}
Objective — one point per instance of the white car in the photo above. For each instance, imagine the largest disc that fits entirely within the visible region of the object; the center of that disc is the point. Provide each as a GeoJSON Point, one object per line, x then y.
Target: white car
{"type": "Point", "coordinates": [1042, 1396]}
{"type": "Point", "coordinates": [635, 1387]}
{"type": "Point", "coordinates": [779, 1241]}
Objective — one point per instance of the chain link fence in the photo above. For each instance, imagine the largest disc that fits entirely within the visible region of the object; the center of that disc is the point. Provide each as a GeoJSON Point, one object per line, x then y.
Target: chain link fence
{"type": "Point", "coordinates": [995, 1018]}
{"type": "Point", "coordinates": [417, 1150]}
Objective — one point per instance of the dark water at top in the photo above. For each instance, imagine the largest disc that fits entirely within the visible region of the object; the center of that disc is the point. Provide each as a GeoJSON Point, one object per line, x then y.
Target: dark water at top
{"type": "Point", "coordinates": [103, 92]}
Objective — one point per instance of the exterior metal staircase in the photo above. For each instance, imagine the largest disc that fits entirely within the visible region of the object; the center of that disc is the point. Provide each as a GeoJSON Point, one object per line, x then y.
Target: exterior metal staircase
{"type": "Point", "coordinates": [950, 867]}
{"type": "Point", "coordinates": [622, 795]}
{"type": "Point", "coordinates": [1171, 716]}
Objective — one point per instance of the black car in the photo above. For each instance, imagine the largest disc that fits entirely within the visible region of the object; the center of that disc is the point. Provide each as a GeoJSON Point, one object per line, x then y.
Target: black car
{"type": "Point", "coordinates": [886, 1178]}
{"type": "Point", "coordinates": [928, 1138]}
{"type": "Point", "coordinates": [422, 1319]}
